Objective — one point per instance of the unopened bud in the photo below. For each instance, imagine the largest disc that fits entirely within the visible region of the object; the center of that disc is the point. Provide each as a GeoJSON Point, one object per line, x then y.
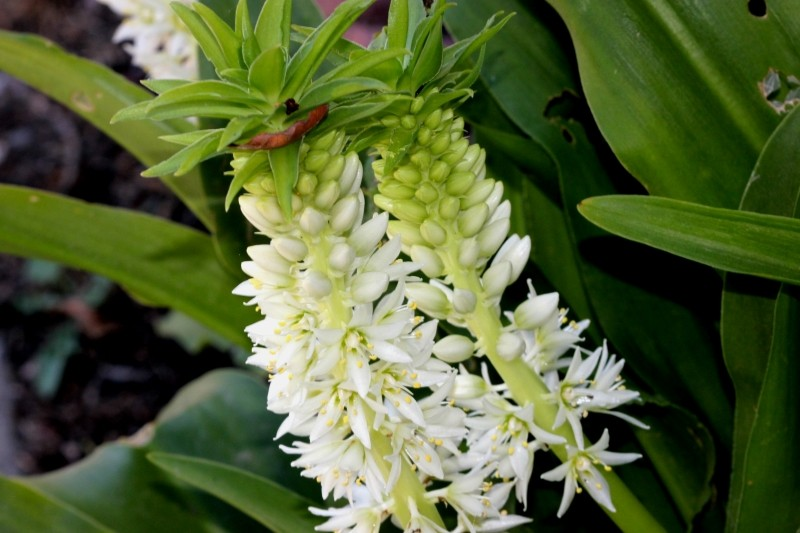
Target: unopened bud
{"type": "Point", "coordinates": [464, 301]}
{"type": "Point", "coordinates": [325, 141]}
{"type": "Point", "coordinates": [472, 220]}
{"type": "Point", "coordinates": [333, 169]}
{"type": "Point", "coordinates": [346, 213]}
{"type": "Point", "coordinates": [408, 174]}
{"type": "Point", "coordinates": [312, 221]}
{"type": "Point", "coordinates": [454, 348]}
{"type": "Point", "coordinates": [421, 158]}
{"type": "Point", "coordinates": [341, 257]}
{"type": "Point", "coordinates": [472, 155]}
{"type": "Point", "coordinates": [317, 285]}
{"type": "Point", "coordinates": [439, 171]}
{"type": "Point", "coordinates": [440, 143]}
{"type": "Point", "coordinates": [456, 151]}
{"type": "Point", "coordinates": [408, 232]}
{"type": "Point", "coordinates": [429, 299]}
{"type": "Point", "coordinates": [491, 237]}
{"type": "Point", "coordinates": [459, 182]}
{"type": "Point", "coordinates": [353, 173]}
{"type": "Point", "coordinates": [316, 160]}
{"type": "Point", "coordinates": [268, 258]}
{"type": "Point", "coordinates": [423, 136]}
{"type": "Point", "coordinates": [429, 261]}
{"type": "Point", "coordinates": [411, 210]}
{"type": "Point", "coordinates": [517, 252]}
{"type": "Point", "coordinates": [510, 346]}
{"type": "Point", "coordinates": [496, 278]}
{"type": "Point", "coordinates": [433, 233]}
{"type": "Point", "coordinates": [449, 207]}
{"type": "Point", "coordinates": [434, 119]}
{"type": "Point", "coordinates": [390, 121]}
{"type": "Point", "coordinates": [396, 190]}
{"type": "Point", "coordinates": [416, 104]}
{"type": "Point", "coordinates": [326, 195]}
{"type": "Point", "coordinates": [369, 286]}
{"type": "Point", "coordinates": [537, 311]}
{"type": "Point", "coordinates": [365, 238]}
{"type": "Point", "coordinates": [306, 183]}
{"type": "Point", "coordinates": [468, 253]}
{"type": "Point", "coordinates": [291, 249]}
{"type": "Point", "coordinates": [426, 193]}
{"type": "Point", "coordinates": [476, 194]}
{"type": "Point", "coordinates": [457, 129]}
{"type": "Point", "coordinates": [408, 122]}
{"type": "Point", "coordinates": [469, 387]}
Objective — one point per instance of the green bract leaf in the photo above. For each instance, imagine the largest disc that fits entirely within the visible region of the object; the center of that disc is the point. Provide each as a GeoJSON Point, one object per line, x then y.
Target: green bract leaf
{"type": "Point", "coordinates": [166, 263]}
{"type": "Point", "coordinates": [404, 17]}
{"type": "Point", "coordinates": [237, 128]}
{"type": "Point", "coordinates": [212, 90]}
{"type": "Point", "coordinates": [287, 512]}
{"type": "Point", "coordinates": [187, 158]}
{"type": "Point", "coordinates": [285, 162]}
{"type": "Point", "coordinates": [267, 72]}
{"type": "Point", "coordinates": [363, 61]}
{"type": "Point", "coordinates": [229, 42]}
{"type": "Point", "coordinates": [257, 162]}
{"type": "Point", "coordinates": [185, 139]}
{"type": "Point", "coordinates": [751, 243]}
{"type": "Point", "coordinates": [96, 93]}
{"type": "Point", "coordinates": [160, 86]}
{"type": "Point", "coordinates": [205, 37]}
{"type": "Point", "coordinates": [274, 24]}
{"type": "Point", "coordinates": [333, 90]}
{"type": "Point", "coordinates": [316, 47]}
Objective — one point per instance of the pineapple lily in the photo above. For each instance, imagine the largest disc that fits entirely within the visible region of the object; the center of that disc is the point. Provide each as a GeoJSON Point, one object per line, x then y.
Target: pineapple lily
{"type": "Point", "coordinates": [385, 421]}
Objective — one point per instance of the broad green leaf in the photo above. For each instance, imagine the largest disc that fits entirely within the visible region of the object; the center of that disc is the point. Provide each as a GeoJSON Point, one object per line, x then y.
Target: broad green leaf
{"type": "Point", "coordinates": [674, 87]}
{"type": "Point", "coordinates": [285, 165]}
{"type": "Point", "coordinates": [274, 24]}
{"type": "Point", "coordinates": [277, 508]}
{"type": "Point", "coordinates": [96, 93]}
{"type": "Point", "coordinates": [23, 508]}
{"type": "Point", "coordinates": [315, 48]}
{"type": "Point", "coordinates": [219, 417]}
{"type": "Point", "coordinates": [402, 21]}
{"type": "Point", "coordinates": [333, 90]}
{"type": "Point", "coordinates": [267, 72]}
{"type": "Point", "coordinates": [167, 264]}
{"type": "Point", "coordinates": [754, 330]}
{"type": "Point", "coordinates": [752, 243]}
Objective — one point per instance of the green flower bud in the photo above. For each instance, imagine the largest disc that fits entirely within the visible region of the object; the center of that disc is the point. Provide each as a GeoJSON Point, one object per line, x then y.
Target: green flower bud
{"type": "Point", "coordinates": [447, 114]}
{"type": "Point", "coordinates": [306, 183]}
{"type": "Point", "coordinates": [396, 190]}
{"type": "Point", "coordinates": [472, 220]}
{"type": "Point", "coordinates": [454, 349]}
{"type": "Point", "coordinates": [434, 119]}
{"type": "Point", "coordinates": [433, 232]}
{"type": "Point", "coordinates": [346, 213]}
{"type": "Point", "coordinates": [426, 193]}
{"type": "Point", "coordinates": [456, 152]}
{"type": "Point", "coordinates": [464, 301]}
{"type": "Point", "coordinates": [421, 158]}
{"type": "Point", "coordinates": [291, 249]}
{"type": "Point", "coordinates": [369, 286]}
{"type": "Point", "coordinates": [459, 182]}
{"type": "Point", "coordinates": [470, 158]}
{"type": "Point", "coordinates": [411, 210]}
{"type": "Point", "coordinates": [492, 236]}
{"type": "Point", "coordinates": [449, 208]}
{"type": "Point", "coordinates": [390, 121]}
{"type": "Point", "coordinates": [325, 142]}
{"type": "Point", "coordinates": [440, 143]}
{"type": "Point", "coordinates": [416, 104]}
{"type": "Point", "coordinates": [333, 169]}
{"type": "Point", "coordinates": [468, 253]}
{"type": "Point", "coordinates": [457, 129]}
{"type": "Point", "coordinates": [429, 261]}
{"type": "Point", "coordinates": [350, 178]}
{"type": "Point", "coordinates": [439, 171]}
{"type": "Point", "coordinates": [476, 194]}
{"type": "Point", "coordinates": [408, 232]}
{"type": "Point", "coordinates": [537, 311]}
{"type": "Point", "coordinates": [510, 346]}
{"type": "Point", "coordinates": [270, 210]}
{"type": "Point", "coordinates": [326, 195]}
{"type": "Point", "coordinates": [384, 203]}
{"type": "Point", "coordinates": [429, 298]}
{"type": "Point", "coordinates": [312, 222]}
{"type": "Point", "coordinates": [423, 136]}
{"type": "Point", "coordinates": [408, 122]}
{"type": "Point", "coordinates": [496, 278]}
{"type": "Point", "coordinates": [408, 174]}
{"type": "Point", "coordinates": [341, 257]}
{"type": "Point", "coordinates": [378, 166]}
{"type": "Point", "coordinates": [469, 387]}
{"type": "Point", "coordinates": [316, 160]}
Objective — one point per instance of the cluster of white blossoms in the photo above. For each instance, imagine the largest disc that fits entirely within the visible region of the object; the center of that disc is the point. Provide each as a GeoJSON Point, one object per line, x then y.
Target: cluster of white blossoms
{"type": "Point", "coordinates": [156, 39]}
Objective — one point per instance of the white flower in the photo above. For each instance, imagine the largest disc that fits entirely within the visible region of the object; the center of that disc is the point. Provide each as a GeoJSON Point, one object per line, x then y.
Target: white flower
{"type": "Point", "coordinates": [577, 395]}
{"type": "Point", "coordinates": [580, 468]}
{"type": "Point", "coordinates": [156, 38]}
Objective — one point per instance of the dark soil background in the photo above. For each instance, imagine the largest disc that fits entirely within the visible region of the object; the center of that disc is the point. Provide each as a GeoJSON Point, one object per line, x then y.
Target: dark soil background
{"type": "Point", "coordinates": [81, 363]}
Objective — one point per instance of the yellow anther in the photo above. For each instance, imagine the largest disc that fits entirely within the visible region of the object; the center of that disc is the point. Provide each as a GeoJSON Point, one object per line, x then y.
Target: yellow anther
{"type": "Point", "coordinates": [417, 384]}
{"type": "Point", "coordinates": [428, 458]}
{"type": "Point", "coordinates": [439, 442]}
{"type": "Point", "coordinates": [407, 399]}
{"type": "Point", "coordinates": [329, 422]}
{"type": "Point", "coordinates": [360, 364]}
{"type": "Point", "coordinates": [511, 450]}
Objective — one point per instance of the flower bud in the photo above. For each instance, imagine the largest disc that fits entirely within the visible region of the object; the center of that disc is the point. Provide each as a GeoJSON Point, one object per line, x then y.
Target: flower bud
{"type": "Point", "coordinates": [491, 237]}
{"type": "Point", "coordinates": [459, 182]}
{"type": "Point", "coordinates": [396, 190]}
{"type": "Point", "coordinates": [476, 194]}
{"type": "Point", "coordinates": [439, 171]}
{"type": "Point", "coordinates": [468, 253]}
{"type": "Point", "coordinates": [537, 311]}
{"type": "Point", "coordinates": [472, 220]}
{"type": "Point", "coordinates": [369, 286]}
{"type": "Point", "coordinates": [365, 238]}
{"type": "Point", "coordinates": [456, 152]}
{"type": "Point", "coordinates": [440, 143]}
{"type": "Point", "coordinates": [333, 169]}
{"type": "Point", "coordinates": [464, 301]}
{"type": "Point", "coordinates": [432, 232]}
{"type": "Point", "coordinates": [268, 258]}
{"type": "Point", "coordinates": [346, 213]}
{"type": "Point", "coordinates": [291, 249]}
{"type": "Point", "coordinates": [312, 222]}
{"type": "Point", "coordinates": [421, 158]}
{"type": "Point", "coordinates": [324, 142]}
{"type": "Point", "coordinates": [423, 136]}
{"type": "Point", "coordinates": [429, 298]}
{"type": "Point", "coordinates": [429, 261]}
{"type": "Point", "coordinates": [316, 284]}
{"type": "Point", "coordinates": [416, 104]}
{"type": "Point", "coordinates": [517, 252]}
{"type": "Point", "coordinates": [408, 122]}
{"type": "Point", "coordinates": [449, 207]}
{"type": "Point", "coordinates": [471, 156]}
{"type": "Point", "coordinates": [377, 166]}
{"type": "Point", "coordinates": [254, 270]}
{"type": "Point", "coordinates": [353, 172]}
{"type": "Point", "coordinates": [457, 129]}
{"type": "Point", "coordinates": [496, 278]}
{"type": "Point", "coordinates": [454, 349]}
{"type": "Point", "coordinates": [408, 232]}
{"type": "Point", "coordinates": [408, 174]}
{"type": "Point", "coordinates": [250, 209]}
{"type": "Point", "coordinates": [426, 193]}
{"type": "Point", "coordinates": [390, 121]}
{"type": "Point", "coordinates": [341, 257]}
{"type": "Point", "coordinates": [434, 119]}
{"type": "Point", "coordinates": [412, 210]}
{"type": "Point", "coordinates": [326, 195]}
{"type": "Point", "coordinates": [316, 160]}
{"type": "Point", "coordinates": [510, 346]}
{"type": "Point", "coordinates": [496, 196]}
{"type": "Point", "coordinates": [469, 387]}
{"type": "Point", "coordinates": [306, 183]}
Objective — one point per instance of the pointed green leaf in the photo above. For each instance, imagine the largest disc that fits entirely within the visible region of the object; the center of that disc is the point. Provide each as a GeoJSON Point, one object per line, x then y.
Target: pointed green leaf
{"type": "Point", "coordinates": [187, 158]}
{"type": "Point", "coordinates": [333, 90]}
{"type": "Point", "coordinates": [167, 264]}
{"type": "Point", "coordinates": [160, 86]}
{"type": "Point", "coordinates": [315, 49]}
{"type": "Point", "coordinates": [185, 139]}
{"type": "Point", "coordinates": [274, 24]}
{"type": "Point", "coordinates": [96, 93]}
{"type": "Point", "coordinates": [205, 89]}
{"type": "Point", "coordinates": [237, 128]}
{"type": "Point", "coordinates": [257, 162]}
{"type": "Point", "coordinates": [427, 55]}
{"type": "Point", "coordinates": [751, 243]}
{"type": "Point", "coordinates": [281, 510]}
{"type": "Point", "coordinates": [204, 35]}
{"type": "Point", "coordinates": [267, 72]}
{"type": "Point", "coordinates": [229, 42]}
{"type": "Point", "coordinates": [674, 87]}
{"type": "Point", "coordinates": [285, 162]}
{"type": "Point", "coordinates": [403, 20]}
{"type": "Point", "coordinates": [361, 62]}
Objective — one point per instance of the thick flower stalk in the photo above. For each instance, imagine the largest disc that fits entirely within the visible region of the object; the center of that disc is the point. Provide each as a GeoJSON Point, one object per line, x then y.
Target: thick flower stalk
{"type": "Point", "coordinates": [453, 221]}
